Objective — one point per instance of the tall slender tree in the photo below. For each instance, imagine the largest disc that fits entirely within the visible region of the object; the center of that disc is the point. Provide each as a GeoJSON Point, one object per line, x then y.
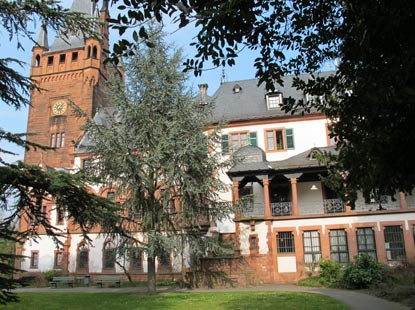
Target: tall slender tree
{"type": "Point", "coordinates": [156, 152]}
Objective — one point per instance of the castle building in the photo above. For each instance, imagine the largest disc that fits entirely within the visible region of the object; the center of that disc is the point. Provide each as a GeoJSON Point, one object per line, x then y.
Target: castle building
{"type": "Point", "coordinates": [291, 220]}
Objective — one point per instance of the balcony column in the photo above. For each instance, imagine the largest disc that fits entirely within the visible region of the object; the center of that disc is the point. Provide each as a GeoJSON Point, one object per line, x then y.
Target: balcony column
{"type": "Point", "coordinates": [402, 201]}
{"type": "Point", "coordinates": [294, 192]}
{"type": "Point", "coordinates": [293, 180]}
{"type": "Point", "coordinates": [267, 203]}
{"type": "Point", "coordinates": [235, 196]}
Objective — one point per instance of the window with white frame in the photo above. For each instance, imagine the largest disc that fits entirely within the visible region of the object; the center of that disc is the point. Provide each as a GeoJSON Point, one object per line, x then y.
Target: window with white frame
{"type": "Point", "coordinates": [274, 100]}
{"type": "Point", "coordinates": [232, 141]}
{"type": "Point", "coordinates": [312, 246]}
{"type": "Point", "coordinates": [279, 139]}
{"type": "Point", "coordinates": [366, 241]}
{"type": "Point", "coordinates": [339, 251]}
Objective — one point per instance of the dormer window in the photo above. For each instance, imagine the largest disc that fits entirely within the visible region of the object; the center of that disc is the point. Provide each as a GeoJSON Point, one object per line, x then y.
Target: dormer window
{"type": "Point", "coordinates": [237, 88]}
{"type": "Point", "coordinates": [274, 100]}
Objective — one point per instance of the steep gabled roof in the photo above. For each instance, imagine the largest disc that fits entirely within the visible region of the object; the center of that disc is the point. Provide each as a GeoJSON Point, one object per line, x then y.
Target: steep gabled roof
{"type": "Point", "coordinates": [249, 102]}
{"type": "Point", "coordinates": [64, 41]}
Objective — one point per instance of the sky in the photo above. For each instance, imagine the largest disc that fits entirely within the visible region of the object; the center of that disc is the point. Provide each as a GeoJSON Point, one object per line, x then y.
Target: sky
{"type": "Point", "coordinates": [16, 121]}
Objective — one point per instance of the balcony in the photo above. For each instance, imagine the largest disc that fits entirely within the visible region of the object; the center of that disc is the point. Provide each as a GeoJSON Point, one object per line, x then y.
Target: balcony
{"type": "Point", "coordinates": [333, 206]}
{"type": "Point", "coordinates": [282, 208]}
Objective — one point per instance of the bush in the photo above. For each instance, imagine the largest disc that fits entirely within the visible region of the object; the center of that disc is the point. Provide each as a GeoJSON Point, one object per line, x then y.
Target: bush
{"type": "Point", "coordinates": [311, 282]}
{"type": "Point", "coordinates": [363, 272]}
{"type": "Point", "coordinates": [330, 273]}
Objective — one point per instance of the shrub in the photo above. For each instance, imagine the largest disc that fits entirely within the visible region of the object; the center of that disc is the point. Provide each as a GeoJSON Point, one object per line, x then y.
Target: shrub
{"type": "Point", "coordinates": [363, 272]}
{"type": "Point", "coordinates": [330, 272]}
{"type": "Point", "coordinates": [310, 282]}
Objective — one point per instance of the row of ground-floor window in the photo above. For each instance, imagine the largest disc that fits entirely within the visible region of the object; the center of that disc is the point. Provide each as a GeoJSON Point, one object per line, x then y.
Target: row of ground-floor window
{"type": "Point", "coordinates": [109, 259]}
{"type": "Point", "coordinates": [339, 245]}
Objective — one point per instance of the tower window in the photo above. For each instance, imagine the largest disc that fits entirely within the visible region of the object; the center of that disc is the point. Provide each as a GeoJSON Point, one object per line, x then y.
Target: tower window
{"type": "Point", "coordinates": [62, 139]}
{"type": "Point", "coordinates": [58, 139]}
{"type": "Point", "coordinates": [37, 61]}
{"type": "Point", "coordinates": [94, 52]}
{"type": "Point", "coordinates": [75, 56]}
{"type": "Point", "coordinates": [52, 140]}
{"type": "Point", "coordinates": [62, 58]}
{"type": "Point", "coordinates": [50, 60]}
{"type": "Point", "coordinates": [88, 52]}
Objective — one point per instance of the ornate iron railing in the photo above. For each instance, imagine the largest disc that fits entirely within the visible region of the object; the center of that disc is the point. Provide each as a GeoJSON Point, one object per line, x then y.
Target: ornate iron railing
{"type": "Point", "coordinates": [334, 206]}
{"type": "Point", "coordinates": [282, 208]}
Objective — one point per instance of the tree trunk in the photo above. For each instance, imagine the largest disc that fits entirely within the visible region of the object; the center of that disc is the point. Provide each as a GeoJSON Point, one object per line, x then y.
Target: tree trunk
{"type": "Point", "coordinates": [151, 275]}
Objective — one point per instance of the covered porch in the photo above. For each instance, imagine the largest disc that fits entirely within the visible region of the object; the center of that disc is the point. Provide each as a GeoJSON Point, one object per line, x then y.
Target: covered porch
{"type": "Point", "coordinates": [289, 188]}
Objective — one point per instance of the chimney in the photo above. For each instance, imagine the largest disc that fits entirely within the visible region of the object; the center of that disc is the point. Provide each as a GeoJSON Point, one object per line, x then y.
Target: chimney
{"type": "Point", "coordinates": [203, 93]}
{"type": "Point", "coordinates": [203, 90]}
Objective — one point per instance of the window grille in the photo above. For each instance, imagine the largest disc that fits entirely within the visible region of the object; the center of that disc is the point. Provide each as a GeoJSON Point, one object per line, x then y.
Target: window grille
{"type": "Point", "coordinates": [254, 243]}
{"type": "Point", "coordinates": [394, 243]}
{"type": "Point", "coordinates": [285, 242]}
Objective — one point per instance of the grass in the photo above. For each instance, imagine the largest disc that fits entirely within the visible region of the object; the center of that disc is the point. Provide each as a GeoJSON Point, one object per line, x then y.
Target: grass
{"type": "Point", "coordinates": [176, 301]}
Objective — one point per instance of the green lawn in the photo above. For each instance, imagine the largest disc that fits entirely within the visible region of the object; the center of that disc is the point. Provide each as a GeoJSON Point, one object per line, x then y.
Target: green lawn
{"type": "Point", "coordinates": [175, 301]}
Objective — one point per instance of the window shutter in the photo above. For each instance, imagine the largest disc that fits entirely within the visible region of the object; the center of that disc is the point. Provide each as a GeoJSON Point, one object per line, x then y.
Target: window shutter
{"type": "Point", "coordinates": [225, 144]}
{"type": "Point", "coordinates": [289, 134]}
{"type": "Point", "coordinates": [253, 138]}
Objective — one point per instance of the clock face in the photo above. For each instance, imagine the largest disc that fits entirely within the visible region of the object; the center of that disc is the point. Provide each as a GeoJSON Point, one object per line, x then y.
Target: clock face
{"type": "Point", "coordinates": [59, 107]}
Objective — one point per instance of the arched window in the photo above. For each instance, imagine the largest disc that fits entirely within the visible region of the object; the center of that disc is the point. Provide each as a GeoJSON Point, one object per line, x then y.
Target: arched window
{"type": "Point", "coordinates": [94, 52]}
{"type": "Point", "coordinates": [108, 255]}
{"type": "Point", "coordinates": [37, 60]}
{"type": "Point", "coordinates": [164, 262]}
{"type": "Point", "coordinates": [88, 52]}
{"type": "Point", "coordinates": [83, 257]}
{"type": "Point", "coordinates": [136, 259]}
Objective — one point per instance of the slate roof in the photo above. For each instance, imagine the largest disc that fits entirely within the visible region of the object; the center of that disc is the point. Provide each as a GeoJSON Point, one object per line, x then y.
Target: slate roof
{"type": "Point", "coordinates": [252, 158]}
{"type": "Point", "coordinates": [302, 160]}
{"type": "Point", "coordinates": [74, 40]}
{"type": "Point", "coordinates": [250, 102]}
{"type": "Point", "coordinates": [101, 118]}
{"type": "Point", "coordinates": [297, 162]}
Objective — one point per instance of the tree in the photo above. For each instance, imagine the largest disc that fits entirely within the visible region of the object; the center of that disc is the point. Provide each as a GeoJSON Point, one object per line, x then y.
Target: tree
{"type": "Point", "coordinates": [370, 97]}
{"type": "Point", "coordinates": [154, 151]}
{"type": "Point", "coordinates": [23, 188]}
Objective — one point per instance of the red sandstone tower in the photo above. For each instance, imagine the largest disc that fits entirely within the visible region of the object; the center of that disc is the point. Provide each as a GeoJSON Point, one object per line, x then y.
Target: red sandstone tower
{"type": "Point", "coordinates": [69, 71]}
